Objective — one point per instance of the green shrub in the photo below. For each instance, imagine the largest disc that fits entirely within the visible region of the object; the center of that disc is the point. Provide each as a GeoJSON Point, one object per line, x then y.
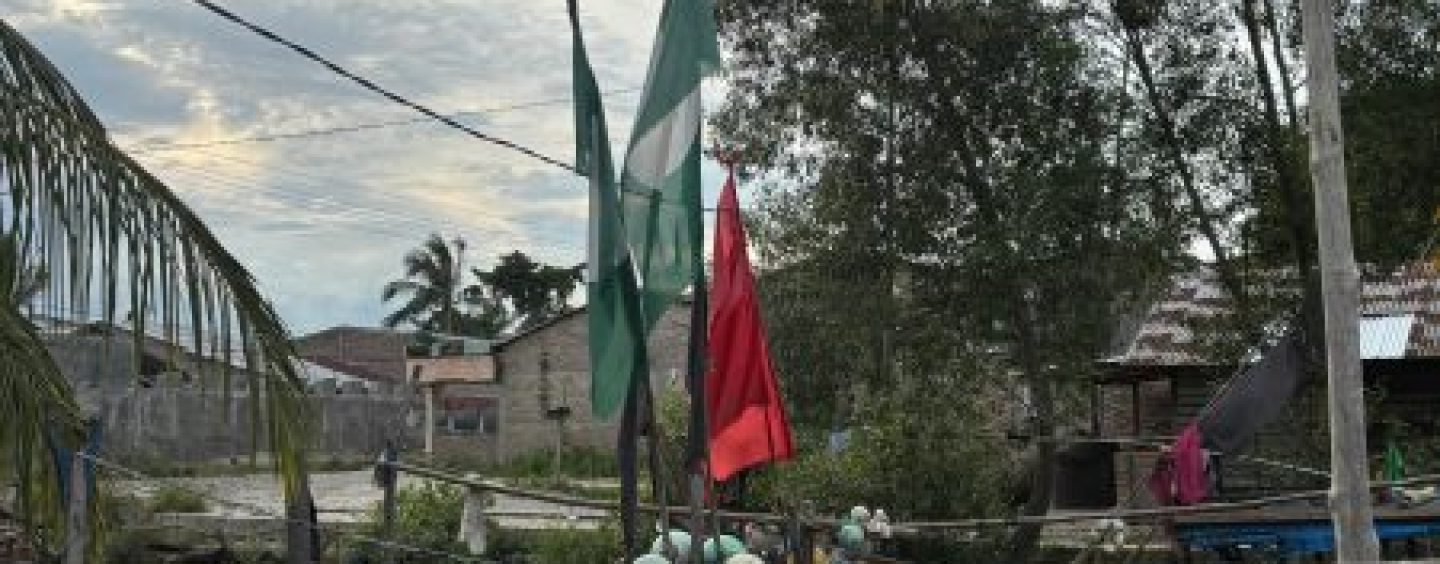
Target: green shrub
{"type": "Point", "coordinates": [427, 516]}
{"type": "Point", "coordinates": [556, 546]}
{"type": "Point", "coordinates": [576, 546]}
{"type": "Point", "coordinates": [175, 499]}
{"type": "Point", "coordinates": [575, 462]}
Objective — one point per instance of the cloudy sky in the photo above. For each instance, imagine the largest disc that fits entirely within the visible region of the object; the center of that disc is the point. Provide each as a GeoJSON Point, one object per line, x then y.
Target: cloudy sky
{"type": "Point", "coordinates": [323, 220]}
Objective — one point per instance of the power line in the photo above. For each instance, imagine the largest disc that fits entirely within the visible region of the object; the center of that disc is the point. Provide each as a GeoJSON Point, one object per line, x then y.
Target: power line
{"type": "Point", "coordinates": [355, 128]}
{"type": "Point", "coordinates": [334, 206]}
{"type": "Point", "coordinates": [371, 86]}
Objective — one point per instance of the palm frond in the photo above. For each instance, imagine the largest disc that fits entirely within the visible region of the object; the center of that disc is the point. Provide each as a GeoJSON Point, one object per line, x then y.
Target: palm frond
{"type": "Point", "coordinates": [115, 239]}
{"type": "Point", "coordinates": [396, 287]}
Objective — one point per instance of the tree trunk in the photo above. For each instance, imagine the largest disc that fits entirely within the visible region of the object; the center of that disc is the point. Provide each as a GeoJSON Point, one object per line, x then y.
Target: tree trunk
{"type": "Point", "coordinates": [1033, 373]}
{"type": "Point", "coordinates": [1229, 276]}
{"type": "Point", "coordinates": [1290, 187]}
{"type": "Point", "coordinates": [1287, 84]}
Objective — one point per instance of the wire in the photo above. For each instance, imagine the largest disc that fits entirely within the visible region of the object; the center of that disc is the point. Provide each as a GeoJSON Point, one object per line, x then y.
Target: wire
{"type": "Point", "coordinates": [382, 220]}
{"type": "Point", "coordinates": [355, 128]}
{"type": "Point", "coordinates": [373, 87]}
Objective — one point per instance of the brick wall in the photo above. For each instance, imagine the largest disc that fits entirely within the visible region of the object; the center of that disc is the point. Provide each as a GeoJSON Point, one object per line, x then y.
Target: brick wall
{"type": "Point", "coordinates": [363, 351]}
{"type": "Point", "coordinates": [523, 426]}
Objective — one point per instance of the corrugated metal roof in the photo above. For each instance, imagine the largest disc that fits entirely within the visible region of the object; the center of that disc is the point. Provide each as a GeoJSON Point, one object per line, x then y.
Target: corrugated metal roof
{"type": "Point", "coordinates": [1180, 328]}
{"type": "Point", "coordinates": [1385, 336]}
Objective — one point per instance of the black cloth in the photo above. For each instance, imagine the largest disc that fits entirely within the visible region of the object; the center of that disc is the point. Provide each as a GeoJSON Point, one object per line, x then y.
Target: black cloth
{"type": "Point", "coordinates": [1253, 398]}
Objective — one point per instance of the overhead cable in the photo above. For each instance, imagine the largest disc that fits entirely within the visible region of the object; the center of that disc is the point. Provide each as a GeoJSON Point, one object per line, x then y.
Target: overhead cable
{"type": "Point", "coordinates": [355, 128]}
{"type": "Point", "coordinates": [376, 88]}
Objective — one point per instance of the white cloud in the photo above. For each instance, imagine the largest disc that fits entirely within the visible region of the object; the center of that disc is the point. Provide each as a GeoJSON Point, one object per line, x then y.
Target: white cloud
{"type": "Point", "coordinates": [323, 221]}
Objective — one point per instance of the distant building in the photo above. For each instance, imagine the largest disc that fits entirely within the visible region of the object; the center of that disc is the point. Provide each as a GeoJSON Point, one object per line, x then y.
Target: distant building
{"type": "Point", "coordinates": [373, 353]}
{"type": "Point", "coordinates": [528, 391]}
{"type": "Point", "coordinates": [163, 401]}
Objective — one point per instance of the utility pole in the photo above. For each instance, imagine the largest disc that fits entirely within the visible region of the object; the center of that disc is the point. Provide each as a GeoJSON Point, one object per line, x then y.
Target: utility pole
{"type": "Point", "coordinates": [1350, 510]}
{"type": "Point", "coordinates": [458, 289]}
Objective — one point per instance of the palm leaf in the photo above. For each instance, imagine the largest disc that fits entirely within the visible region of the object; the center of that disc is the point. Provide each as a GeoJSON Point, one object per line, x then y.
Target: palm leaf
{"type": "Point", "coordinates": [115, 238]}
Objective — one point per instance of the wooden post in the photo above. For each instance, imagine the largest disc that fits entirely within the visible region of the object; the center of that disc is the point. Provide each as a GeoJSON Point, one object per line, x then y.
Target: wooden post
{"type": "Point", "coordinates": [803, 545]}
{"type": "Point", "coordinates": [1355, 539]}
{"type": "Point", "coordinates": [472, 521]}
{"type": "Point", "coordinates": [302, 542]}
{"type": "Point", "coordinates": [430, 391]}
{"type": "Point", "coordinates": [697, 517]}
{"type": "Point", "coordinates": [77, 532]}
{"type": "Point", "coordinates": [386, 477]}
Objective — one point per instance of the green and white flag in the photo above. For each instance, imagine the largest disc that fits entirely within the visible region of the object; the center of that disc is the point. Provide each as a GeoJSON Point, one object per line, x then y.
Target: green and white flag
{"type": "Point", "coordinates": [617, 336]}
{"type": "Point", "coordinates": [661, 180]}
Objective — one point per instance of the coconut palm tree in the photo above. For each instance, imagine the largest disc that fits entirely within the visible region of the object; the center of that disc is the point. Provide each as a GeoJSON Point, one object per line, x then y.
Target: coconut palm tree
{"type": "Point", "coordinates": [432, 283]}
{"type": "Point", "coordinates": [115, 239]}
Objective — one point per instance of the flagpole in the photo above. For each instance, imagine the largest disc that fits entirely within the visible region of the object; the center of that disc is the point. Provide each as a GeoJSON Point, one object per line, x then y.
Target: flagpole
{"type": "Point", "coordinates": [1353, 517]}
{"type": "Point", "coordinates": [699, 432]}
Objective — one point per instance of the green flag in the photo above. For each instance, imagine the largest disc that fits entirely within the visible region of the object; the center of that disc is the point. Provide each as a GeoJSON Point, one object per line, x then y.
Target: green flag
{"type": "Point", "coordinates": [617, 343]}
{"type": "Point", "coordinates": [661, 180]}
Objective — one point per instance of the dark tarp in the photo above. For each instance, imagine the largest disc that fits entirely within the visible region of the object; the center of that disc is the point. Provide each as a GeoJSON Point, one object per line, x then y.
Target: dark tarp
{"type": "Point", "coordinates": [1253, 398]}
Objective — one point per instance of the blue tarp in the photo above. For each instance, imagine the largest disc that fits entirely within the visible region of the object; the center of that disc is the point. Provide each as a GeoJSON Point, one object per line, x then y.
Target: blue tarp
{"type": "Point", "coordinates": [1292, 538]}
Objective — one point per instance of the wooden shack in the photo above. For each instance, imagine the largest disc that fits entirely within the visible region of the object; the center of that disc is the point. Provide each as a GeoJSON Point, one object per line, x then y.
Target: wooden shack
{"type": "Point", "coordinates": [1185, 346]}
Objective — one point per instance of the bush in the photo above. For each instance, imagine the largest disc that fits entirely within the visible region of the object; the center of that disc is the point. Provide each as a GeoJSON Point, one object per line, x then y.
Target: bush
{"type": "Point", "coordinates": [426, 516]}
{"type": "Point", "coordinates": [557, 546]}
{"type": "Point", "coordinates": [575, 462]}
{"type": "Point", "coordinates": [175, 499]}
{"type": "Point", "coordinates": [576, 546]}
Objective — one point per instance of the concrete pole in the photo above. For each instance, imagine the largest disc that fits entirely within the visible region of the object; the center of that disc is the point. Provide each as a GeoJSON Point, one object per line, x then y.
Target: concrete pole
{"type": "Point", "coordinates": [1355, 539]}
{"type": "Point", "coordinates": [472, 520]}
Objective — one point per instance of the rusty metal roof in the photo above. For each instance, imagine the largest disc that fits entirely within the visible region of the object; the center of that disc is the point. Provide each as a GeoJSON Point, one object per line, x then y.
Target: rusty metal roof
{"type": "Point", "coordinates": [1400, 309]}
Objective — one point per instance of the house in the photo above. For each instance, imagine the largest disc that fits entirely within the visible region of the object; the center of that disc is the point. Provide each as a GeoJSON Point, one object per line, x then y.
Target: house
{"type": "Point", "coordinates": [530, 391]}
{"type": "Point", "coordinates": [456, 377]}
{"type": "Point", "coordinates": [1182, 351]}
{"type": "Point", "coordinates": [373, 353]}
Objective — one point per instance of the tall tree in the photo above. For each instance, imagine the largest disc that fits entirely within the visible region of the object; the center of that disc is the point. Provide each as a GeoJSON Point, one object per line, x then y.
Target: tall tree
{"type": "Point", "coordinates": [432, 284]}
{"type": "Point", "coordinates": [532, 291]}
{"type": "Point", "coordinates": [1390, 99]}
{"type": "Point", "coordinates": [114, 237]}
{"type": "Point", "coordinates": [947, 184]}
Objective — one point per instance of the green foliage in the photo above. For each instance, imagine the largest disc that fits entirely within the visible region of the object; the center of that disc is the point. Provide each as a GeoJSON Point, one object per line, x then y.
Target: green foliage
{"type": "Point", "coordinates": [556, 546]}
{"type": "Point", "coordinates": [171, 498]}
{"type": "Point", "coordinates": [427, 516]}
{"type": "Point", "coordinates": [1386, 53]}
{"type": "Point", "coordinates": [120, 240]}
{"type": "Point", "coordinates": [529, 290]}
{"type": "Point", "coordinates": [575, 546]}
{"type": "Point", "coordinates": [918, 455]}
{"type": "Point", "coordinates": [433, 283]}
{"type": "Point", "coordinates": [575, 462]}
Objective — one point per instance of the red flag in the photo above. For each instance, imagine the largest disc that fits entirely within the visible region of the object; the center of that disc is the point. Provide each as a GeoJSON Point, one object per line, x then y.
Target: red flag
{"type": "Point", "coordinates": [747, 424]}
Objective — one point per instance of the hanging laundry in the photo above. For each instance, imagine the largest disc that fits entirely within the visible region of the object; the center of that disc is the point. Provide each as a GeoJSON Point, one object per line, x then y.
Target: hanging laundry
{"type": "Point", "coordinates": [1179, 475]}
{"type": "Point", "coordinates": [1394, 469]}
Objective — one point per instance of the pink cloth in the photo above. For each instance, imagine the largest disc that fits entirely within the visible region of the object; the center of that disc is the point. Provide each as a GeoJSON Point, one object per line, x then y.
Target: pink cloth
{"type": "Point", "coordinates": [1179, 475]}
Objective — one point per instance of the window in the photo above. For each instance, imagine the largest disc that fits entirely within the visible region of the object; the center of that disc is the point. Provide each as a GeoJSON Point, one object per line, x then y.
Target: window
{"type": "Point", "coordinates": [468, 416]}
